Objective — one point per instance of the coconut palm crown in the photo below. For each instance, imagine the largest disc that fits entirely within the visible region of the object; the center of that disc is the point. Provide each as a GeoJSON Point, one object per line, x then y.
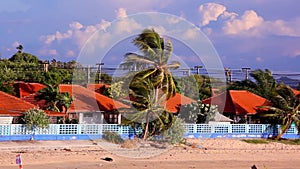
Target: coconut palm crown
{"type": "Point", "coordinates": [152, 83]}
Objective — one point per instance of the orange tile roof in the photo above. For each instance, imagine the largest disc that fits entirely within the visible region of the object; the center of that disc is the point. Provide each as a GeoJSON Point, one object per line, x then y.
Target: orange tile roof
{"type": "Point", "coordinates": [13, 106]}
{"type": "Point", "coordinates": [99, 88]}
{"type": "Point", "coordinates": [239, 102]}
{"type": "Point", "coordinates": [174, 103]}
{"type": "Point", "coordinates": [86, 100]}
{"type": "Point", "coordinates": [9, 102]}
{"type": "Point", "coordinates": [296, 92]}
{"type": "Point", "coordinates": [23, 89]}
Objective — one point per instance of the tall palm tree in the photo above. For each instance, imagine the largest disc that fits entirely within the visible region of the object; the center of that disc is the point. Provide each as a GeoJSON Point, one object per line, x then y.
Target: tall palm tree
{"type": "Point", "coordinates": [263, 85]}
{"type": "Point", "coordinates": [19, 48]}
{"type": "Point", "coordinates": [154, 83]}
{"type": "Point", "coordinates": [285, 109]}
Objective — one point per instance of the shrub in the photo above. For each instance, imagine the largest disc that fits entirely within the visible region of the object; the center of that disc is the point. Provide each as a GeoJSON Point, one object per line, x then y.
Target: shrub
{"type": "Point", "coordinates": [175, 134]}
{"type": "Point", "coordinates": [112, 137]}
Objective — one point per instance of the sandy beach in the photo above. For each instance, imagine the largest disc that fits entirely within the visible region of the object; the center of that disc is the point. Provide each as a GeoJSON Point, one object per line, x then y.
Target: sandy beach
{"type": "Point", "coordinates": [213, 154]}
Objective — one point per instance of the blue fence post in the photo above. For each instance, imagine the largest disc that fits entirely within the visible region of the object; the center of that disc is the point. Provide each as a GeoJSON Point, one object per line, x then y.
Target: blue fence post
{"type": "Point", "coordinates": [120, 129]}
{"type": "Point", "coordinates": [247, 128]}
{"type": "Point", "coordinates": [229, 128]}
{"type": "Point", "coordinates": [78, 131]}
{"type": "Point", "coordinates": [194, 128]}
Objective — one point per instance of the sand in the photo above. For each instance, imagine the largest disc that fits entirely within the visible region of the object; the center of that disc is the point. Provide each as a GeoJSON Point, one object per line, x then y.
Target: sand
{"type": "Point", "coordinates": [213, 154]}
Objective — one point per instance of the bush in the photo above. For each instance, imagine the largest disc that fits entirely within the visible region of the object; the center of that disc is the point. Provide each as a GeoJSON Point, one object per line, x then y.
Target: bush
{"type": "Point", "coordinates": [112, 137]}
{"type": "Point", "coordinates": [175, 134]}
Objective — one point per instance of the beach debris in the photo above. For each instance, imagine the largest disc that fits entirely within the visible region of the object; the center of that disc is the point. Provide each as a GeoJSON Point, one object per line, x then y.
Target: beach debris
{"type": "Point", "coordinates": [66, 149]}
{"type": "Point", "coordinates": [254, 167]}
{"type": "Point", "coordinates": [107, 159]}
{"type": "Point", "coordinates": [19, 161]}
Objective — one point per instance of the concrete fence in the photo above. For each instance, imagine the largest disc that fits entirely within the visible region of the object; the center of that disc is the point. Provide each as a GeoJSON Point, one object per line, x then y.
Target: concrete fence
{"type": "Point", "coordinates": [95, 131]}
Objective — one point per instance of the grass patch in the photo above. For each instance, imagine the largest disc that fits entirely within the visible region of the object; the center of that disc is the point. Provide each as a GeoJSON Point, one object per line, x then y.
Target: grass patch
{"type": "Point", "coordinates": [290, 141]}
{"type": "Point", "coordinates": [255, 141]}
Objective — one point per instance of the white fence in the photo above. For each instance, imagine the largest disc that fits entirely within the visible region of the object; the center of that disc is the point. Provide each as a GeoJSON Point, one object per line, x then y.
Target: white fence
{"type": "Point", "coordinates": [192, 130]}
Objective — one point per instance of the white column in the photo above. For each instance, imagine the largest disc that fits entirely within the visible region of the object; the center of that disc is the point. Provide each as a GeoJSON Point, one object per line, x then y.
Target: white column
{"type": "Point", "coordinates": [119, 118]}
{"type": "Point", "coordinates": [101, 117]}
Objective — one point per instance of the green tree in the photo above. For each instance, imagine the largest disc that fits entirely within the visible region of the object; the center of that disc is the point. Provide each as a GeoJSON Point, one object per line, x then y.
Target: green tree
{"type": "Point", "coordinates": [7, 79]}
{"type": "Point", "coordinates": [55, 100]}
{"type": "Point", "coordinates": [154, 84]}
{"type": "Point", "coordinates": [115, 90]}
{"type": "Point", "coordinates": [19, 48]}
{"type": "Point", "coordinates": [35, 119]}
{"type": "Point", "coordinates": [263, 85]}
{"type": "Point", "coordinates": [285, 109]}
{"type": "Point", "coordinates": [197, 112]}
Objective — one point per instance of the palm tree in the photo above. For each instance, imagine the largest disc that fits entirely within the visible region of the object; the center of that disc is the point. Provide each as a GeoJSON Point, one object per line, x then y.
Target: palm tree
{"type": "Point", "coordinates": [285, 109]}
{"type": "Point", "coordinates": [154, 84]}
{"type": "Point", "coordinates": [55, 100]}
{"type": "Point", "coordinates": [64, 101]}
{"type": "Point", "coordinates": [19, 48]}
{"type": "Point", "coordinates": [263, 85]}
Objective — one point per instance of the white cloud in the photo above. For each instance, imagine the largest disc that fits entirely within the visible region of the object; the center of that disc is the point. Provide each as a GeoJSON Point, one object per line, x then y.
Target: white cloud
{"type": "Point", "coordinates": [210, 12]}
{"type": "Point", "coordinates": [208, 31]}
{"type": "Point", "coordinates": [48, 52]}
{"type": "Point", "coordinates": [283, 28]}
{"type": "Point", "coordinates": [70, 53]}
{"type": "Point", "coordinates": [258, 59]}
{"type": "Point", "coordinates": [251, 24]}
{"type": "Point", "coordinates": [76, 25]}
{"type": "Point", "coordinates": [173, 19]}
{"type": "Point", "coordinates": [15, 44]}
{"type": "Point", "coordinates": [159, 29]}
{"type": "Point", "coordinates": [126, 25]}
{"type": "Point", "coordinates": [190, 34]}
{"type": "Point", "coordinates": [247, 22]}
{"type": "Point", "coordinates": [121, 13]}
{"type": "Point", "coordinates": [77, 32]}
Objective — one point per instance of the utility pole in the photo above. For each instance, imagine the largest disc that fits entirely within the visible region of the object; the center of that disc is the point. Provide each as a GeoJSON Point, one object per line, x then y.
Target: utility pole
{"type": "Point", "coordinates": [228, 75]}
{"type": "Point", "coordinates": [88, 74]}
{"type": "Point", "coordinates": [99, 71]}
{"type": "Point", "coordinates": [198, 67]}
{"type": "Point", "coordinates": [246, 69]}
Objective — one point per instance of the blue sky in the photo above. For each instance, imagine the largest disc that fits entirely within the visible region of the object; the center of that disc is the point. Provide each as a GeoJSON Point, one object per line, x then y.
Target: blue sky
{"type": "Point", "coordinates": [249, 33]}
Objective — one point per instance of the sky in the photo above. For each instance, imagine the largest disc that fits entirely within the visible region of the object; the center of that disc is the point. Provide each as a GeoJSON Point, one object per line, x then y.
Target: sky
{"type": "Point", "coordinates": [261, 34]}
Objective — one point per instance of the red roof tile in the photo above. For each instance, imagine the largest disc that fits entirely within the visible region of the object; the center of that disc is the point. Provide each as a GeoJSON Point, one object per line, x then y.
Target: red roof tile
{"type": "Point", "coordinates": [23, 89]}
{"type": "Point", "coordinates": [13, 106]}
{"type": "Point", "coordinates": [174, 103]}
{"type": "Point", "coordinates": [296, 92]}
{"type": "Point", "coordinates": [99, 88]}
{"type": "Point", "coordinates": [9, 102]}
{"type": "Point", "coordinates": [86, 100]}
{"type": "Point", "coordinates": [239, 102]}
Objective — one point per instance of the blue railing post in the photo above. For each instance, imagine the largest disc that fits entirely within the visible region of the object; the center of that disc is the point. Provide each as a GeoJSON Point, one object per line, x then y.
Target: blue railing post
{"type": "Point", "coordinates": [79, 126]}
{"type": "Point", "coordinates": [229, 128]}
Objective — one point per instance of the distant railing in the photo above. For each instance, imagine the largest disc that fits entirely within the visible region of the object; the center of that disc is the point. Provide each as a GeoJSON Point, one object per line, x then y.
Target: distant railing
{"type": "Point", "coordinates": [85, 131]}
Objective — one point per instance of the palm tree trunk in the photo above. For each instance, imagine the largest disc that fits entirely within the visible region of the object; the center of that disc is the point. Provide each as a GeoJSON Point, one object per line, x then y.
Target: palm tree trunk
{"type": "Point", "coordinates": [285, 129]}
{"type": "Point", "coordinates": [146, 127]}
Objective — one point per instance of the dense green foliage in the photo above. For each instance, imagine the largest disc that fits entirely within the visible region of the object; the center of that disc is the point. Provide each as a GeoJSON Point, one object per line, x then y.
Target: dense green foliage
{"type": "Point", "coordinates": [285, 108]}
{"type": "Point", "coordinates": [152, 84]}
{"type": "Point", "coordinates": [197, 112]}
{"type": "Point", "coordinates": [34, 119]}
{"type": "Point", "coordinates": [197, 87]}
{"type": "Point", "coordinates": [55, 100]}
{"type": "Point", "coordinates": [112, 137]}
{"type": "Point", "coordinates": [175, 134]}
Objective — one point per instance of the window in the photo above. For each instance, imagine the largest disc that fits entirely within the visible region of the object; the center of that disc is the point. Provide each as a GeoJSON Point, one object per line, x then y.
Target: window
{"type": "Point", "coordinates": [87, 114]}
